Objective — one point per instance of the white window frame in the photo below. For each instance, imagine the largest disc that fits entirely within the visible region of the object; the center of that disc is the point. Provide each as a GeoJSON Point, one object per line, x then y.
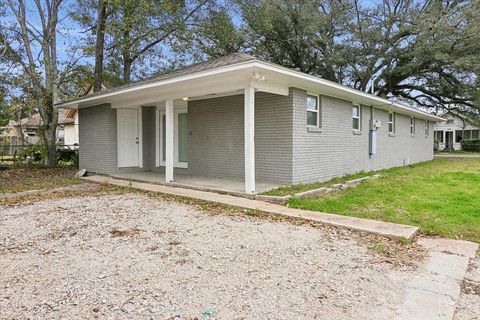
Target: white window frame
{"type": "Point", "coordinates": [359, 117]}
{"type": "Point", "coordinates": [477, 134]}
{"type": "Point", "coordinates": [391, 122]}
{"type": "Point", "coordinates": [455, 136]}
{"type": "Point", "coordinates": [412, 126]}
{"type": "Point", "coordinates": [160, 112]}
{"type": "Point", "coordinates": [317, 97]}
{"type": "Point", "coordinates": [427, 128]}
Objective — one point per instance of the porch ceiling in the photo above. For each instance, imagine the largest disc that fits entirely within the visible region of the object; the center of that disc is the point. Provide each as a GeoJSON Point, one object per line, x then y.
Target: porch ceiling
{"type": "Point", "coordinates": [205, 86]}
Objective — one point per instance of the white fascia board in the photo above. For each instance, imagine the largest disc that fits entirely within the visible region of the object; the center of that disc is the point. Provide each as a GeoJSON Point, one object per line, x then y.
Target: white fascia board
{"type": "Point", "coordinates": [255, 64]}
{"type": "Point", "coordinates": [373, 100]}
{"type": "Point", "coordinates": [270, 87]}
{"type": "Point", "coordinates": [73, 104]}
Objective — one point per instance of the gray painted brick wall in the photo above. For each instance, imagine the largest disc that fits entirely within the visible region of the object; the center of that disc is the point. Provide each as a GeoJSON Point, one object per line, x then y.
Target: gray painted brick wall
{"type": "Point", "coordinates": [216, 140]}
{"type": "Point", "coordinates": [336, 150]}
{"type": "Point", "coordinates": [98, 139]}
{"type": "Point", "coordinates": [98, 136]}
{"type": "Point", "coordinates": [285, 151]}
{"type": "Point", "coordinates": [273, 138]}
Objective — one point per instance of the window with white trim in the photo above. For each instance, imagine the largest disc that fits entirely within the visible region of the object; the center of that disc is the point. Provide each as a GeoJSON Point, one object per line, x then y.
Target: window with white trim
{"type": "Point", "coordinates": [356, 113]}
{"type": "Point", "coordinates": [391, 122]}
{"type": "Point", "coordinates": [313, 111]}
{"type": "Point", "coordinates": [467, 134]}
{"type": "Point", "coordinates": [438, 136]}
{"type": "Point", "coordinates": [427, 128]}
{"type": "Point", "coordinates": [475, 134]}
{"type": "Point", "coordinates": [412, 126]}
{"type": "Point", "coordinates": [458, 136]}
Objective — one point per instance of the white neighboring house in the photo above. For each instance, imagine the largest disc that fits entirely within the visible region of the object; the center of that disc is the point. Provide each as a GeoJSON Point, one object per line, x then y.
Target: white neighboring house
{"type": "Point", "coordinates": [68, 119]}
{"type": "Point", "coordinates": [449, 134]}
{"type": "Point", "coordinates": [69, 122]}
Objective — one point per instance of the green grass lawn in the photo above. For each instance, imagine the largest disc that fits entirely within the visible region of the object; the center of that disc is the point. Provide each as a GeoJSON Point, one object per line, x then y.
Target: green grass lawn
{"type": "Point", "coordinates": [297, 188]}
{"type": "Point", "coordinates": [442, 197]}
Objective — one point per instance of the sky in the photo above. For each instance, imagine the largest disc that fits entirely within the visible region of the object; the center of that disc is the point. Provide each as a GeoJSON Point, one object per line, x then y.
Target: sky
{"type": "Point", "coordinates": [71, 33]}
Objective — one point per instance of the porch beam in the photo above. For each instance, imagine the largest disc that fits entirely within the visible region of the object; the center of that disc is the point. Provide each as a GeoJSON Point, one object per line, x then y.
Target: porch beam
{"type": "Point", "coordinates": [272, 87]}
{"type": "Point", "coordinates": [169, 123]}
{"type": "Point", "coordinates": [249, 136]}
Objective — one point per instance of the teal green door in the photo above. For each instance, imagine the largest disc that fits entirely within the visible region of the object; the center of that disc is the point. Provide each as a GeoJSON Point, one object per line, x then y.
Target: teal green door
{"type": "Point", "coordinates": [182, 137]}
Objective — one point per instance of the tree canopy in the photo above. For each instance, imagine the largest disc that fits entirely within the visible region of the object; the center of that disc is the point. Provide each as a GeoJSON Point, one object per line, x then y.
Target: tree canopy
{"type": "Point", "coordinates": [421, 52]}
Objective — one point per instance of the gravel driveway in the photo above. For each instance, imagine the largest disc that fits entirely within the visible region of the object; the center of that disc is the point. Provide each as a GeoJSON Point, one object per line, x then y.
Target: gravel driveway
{"type": "Point", "coordinates": [132, 256]}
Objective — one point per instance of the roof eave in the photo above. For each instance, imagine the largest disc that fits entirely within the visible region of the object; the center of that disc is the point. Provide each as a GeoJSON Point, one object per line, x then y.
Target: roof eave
{"type": "Point", "coordinates": [372, 99]}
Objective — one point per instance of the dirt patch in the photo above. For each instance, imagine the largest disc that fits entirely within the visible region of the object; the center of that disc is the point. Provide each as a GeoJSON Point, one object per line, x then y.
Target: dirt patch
{"type": "Point", "coordinates": [130, 233]}
{"type": "Point", "coordinates": [173, 260]}
{"type": "Point", "coordinates": [468, 306]}
{"type": "Point", "coordinates": [29, 197]}
{"type": "Point", "coordinates": [471, 287]}
{"type": "Point", "coordinates": [21, 179]}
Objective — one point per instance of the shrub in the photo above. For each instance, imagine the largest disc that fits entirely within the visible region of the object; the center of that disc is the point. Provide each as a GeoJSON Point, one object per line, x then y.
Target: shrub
{"type": "Point", "coordinates": [471, 145]}
{"type": "Point", "coordinates": [32, 152]}
{"type": "Point", "coordinates": [75, 159]}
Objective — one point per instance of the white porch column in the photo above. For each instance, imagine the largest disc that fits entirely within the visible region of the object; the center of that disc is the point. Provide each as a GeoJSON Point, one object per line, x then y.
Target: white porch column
{"type": "Point", "coordinates": [169, 122]}
{"type": "Point", "coordinates": [444, 138]}
{"type": "Point", "coordinates": [249, 135]}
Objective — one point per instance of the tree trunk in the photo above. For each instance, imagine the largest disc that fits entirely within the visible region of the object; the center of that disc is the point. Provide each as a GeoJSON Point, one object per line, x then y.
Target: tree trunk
{"type": "Point", "coordinates": [50, 139]}
{"type": "Point", "coordinates": [127, 67]}
{"type": "Point", "coordinates": [99, 45]}
{"type": "Point", "coordinates": [126, 47]}
{"type": "Point", "coordinates": [49, 117]}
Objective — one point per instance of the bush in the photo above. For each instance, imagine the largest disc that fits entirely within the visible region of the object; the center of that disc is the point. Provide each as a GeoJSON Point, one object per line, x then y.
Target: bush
{"type": "Point", "coordinates": [32, 153]}
{"type": "Point", "coordinates": [471, 145]}
{"type": "Point", "coordinates": [75, 159]}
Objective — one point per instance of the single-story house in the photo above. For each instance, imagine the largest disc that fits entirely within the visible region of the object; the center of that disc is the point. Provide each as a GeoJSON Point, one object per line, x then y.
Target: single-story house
{"type": "Point", "coordinates": [243, 124]}
{"type": "Point", "coordinates": [455, 128]}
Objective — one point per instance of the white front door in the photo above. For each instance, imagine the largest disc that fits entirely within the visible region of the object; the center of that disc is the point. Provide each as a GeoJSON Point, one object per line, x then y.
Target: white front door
{"type": "Point", "coordinates": [128, 137]}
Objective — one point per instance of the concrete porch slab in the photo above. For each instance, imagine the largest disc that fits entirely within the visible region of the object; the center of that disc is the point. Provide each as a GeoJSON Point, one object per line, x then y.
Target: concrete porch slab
{"type": "Point", "coordinates": [208, 183]}
{"type": "Point", "coordinates": [387, 229]}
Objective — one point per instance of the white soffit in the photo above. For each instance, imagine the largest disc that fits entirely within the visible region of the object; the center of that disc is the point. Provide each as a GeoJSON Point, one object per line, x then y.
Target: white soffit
{"type": "Point", "coordinates": [235, 77]}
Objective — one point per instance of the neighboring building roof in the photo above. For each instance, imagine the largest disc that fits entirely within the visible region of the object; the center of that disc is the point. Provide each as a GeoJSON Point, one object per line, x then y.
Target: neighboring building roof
{"type": "Point", "coordinates": [35, 120]}
{"type": "Point", "coordinates": [87, 89]}
{"type": "Point", "coordinates": [464, 118]}
{"type": "Point", "coordinates": [32, 121]}
{"type": "Point", "coordinates": [467, 116]}
{"type": "Point", "coordinates": [65, 117]}
{"type": "Point", "coordinates": [237, 62]}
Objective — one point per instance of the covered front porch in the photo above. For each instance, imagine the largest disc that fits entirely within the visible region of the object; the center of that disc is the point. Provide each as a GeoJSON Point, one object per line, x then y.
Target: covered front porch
{"type": "Point", "coordinates": [202, 138]}
{"type": "Point", "coordinates": [225, 125]}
